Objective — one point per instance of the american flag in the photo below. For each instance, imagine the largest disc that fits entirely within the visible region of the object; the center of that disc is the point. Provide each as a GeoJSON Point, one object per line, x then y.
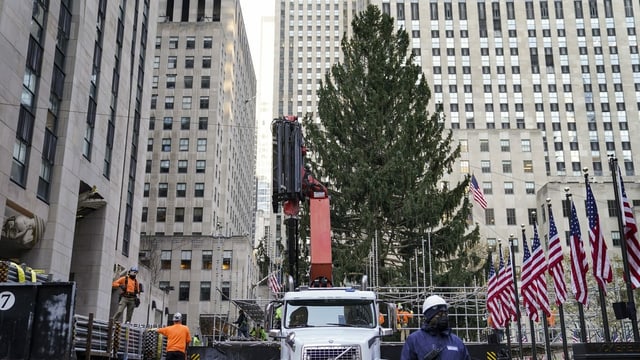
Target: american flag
{"type": "Point", "coordinates": [630, 235]}
{"type": "Point", "coordinates": [274, 284]}
{"type": "Point", "coordinates": [555, 262]}
{"type": "Point", "coordinates": [506, 292]}
{"type": "Point", "coordinates": [539, 267]}
{"type": "Point", "coordinates": [478, 196]}
{"type": "Point", "coordinates": [579, 265]}
{"type": "Point", "coordinates": [601, 265]}
{"type": "Point", "coordinates": [529, 291]}
{"type": "Point", "coordinates": [493, 302]}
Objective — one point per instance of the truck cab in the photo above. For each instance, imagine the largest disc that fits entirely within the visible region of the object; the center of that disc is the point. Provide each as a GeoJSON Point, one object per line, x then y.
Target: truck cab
{"type": "Point", "coordinates": [329, 323]}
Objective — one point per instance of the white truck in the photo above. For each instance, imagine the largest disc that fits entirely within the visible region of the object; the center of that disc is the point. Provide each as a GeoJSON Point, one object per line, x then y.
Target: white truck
{"type": "Point", "coordinates": [330, 323]}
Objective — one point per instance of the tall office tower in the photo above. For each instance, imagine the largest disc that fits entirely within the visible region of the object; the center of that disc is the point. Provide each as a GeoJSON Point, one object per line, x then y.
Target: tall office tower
{"type": "Point", "coordinates": [74, 97]}
{"type": "Point", "coordinates": [199, 189]}
{"type": "Point", "coordinates": [534, 91]}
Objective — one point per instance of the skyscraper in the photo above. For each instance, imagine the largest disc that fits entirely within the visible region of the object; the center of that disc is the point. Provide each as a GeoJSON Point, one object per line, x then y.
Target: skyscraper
{"type": "Point", "coordinates": [74, 101]}
{"type": "Point", "coordinates": [200, 184]}
{"type": "Point", "coordinates": [534, 91]}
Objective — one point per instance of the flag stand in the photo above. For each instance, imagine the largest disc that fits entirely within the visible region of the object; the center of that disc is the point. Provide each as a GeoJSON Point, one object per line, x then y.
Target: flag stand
{"type": "Point", "coordinates": [613, 165]}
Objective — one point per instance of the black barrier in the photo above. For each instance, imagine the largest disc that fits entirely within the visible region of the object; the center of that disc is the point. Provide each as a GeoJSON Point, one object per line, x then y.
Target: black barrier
{"type": "Point", "coordinates": [36, 320]}
{"type": "Point", "coordinates": [615, 350]}
{"type": "Point", "coordinates": [269, 350]}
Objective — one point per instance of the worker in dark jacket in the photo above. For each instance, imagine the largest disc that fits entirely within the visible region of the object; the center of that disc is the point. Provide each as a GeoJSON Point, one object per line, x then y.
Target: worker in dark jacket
{"type": "Point", "coordinates": [434, 340]}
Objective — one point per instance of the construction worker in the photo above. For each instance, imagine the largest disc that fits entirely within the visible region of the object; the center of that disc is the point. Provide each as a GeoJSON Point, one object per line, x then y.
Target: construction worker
{"type": "Point", "coordinates": [178, 338]}
{"type": "Point", "coordinates": [403, 322]}
{"type": "Point", "coordinates": [196, 340]}
{"type": "Point", "coordinates": [243, 324]}
{"type": "Point", "coordinates": [434, 340]}
{"type": "Point", "coordinates": [129, 288]}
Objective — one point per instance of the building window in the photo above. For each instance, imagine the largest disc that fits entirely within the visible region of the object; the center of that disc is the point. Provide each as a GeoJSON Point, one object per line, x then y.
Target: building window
{"type": "Point", "coordinates": [191, 42]}
{"type": "Point", "coordinates": [203, 123]}
{"type": "Point", "coordinates": [188, 62]}
{"type": "Point", "coordinates": [198, 190]}
{"type": "Point", "coordinates": [188, 82]}
{"type": "Point", "coordinates": [145, 214]}
{"type": "Point", "coordinates": [161, 214]}
{"type": "Point", "coordinates": [168, 102]}
{"type": "Point", "coordinates": [207, 259]}
{"type": "Point", "coordinates": [150, 144]}
{"type": "Point", "coordinates": [202, 145]}
{"type": "Point", "coordinates": [166, 145]}
{"type": "Point", "coordinates": [197, 214]}
{"type": "Point", "coordinates": [185, 123]}
{"type": "Point", "coordinates": [525, 145]}
{"type": "Point", "coordinates": [484, 145]}
{"type": "Point", "coordinates": [183, 166]}
{"type": "Point", "coordinates": [530, 187]}
{"type": "Point", "coordinates": [226, 259]}
{"type": "Point", "coordinates": [206, 62]}
{"type": "Point", "coordinates": [205, 290]}
{"type": "Point", "coordinates": [167, 123]}
{"type": "Point", "coordinates": [511, 216]}
{"type": "Point", "coordinates": [162, 189]}
{"type": "Point", "coordinates": [612, 206]}
{"type": "Point", "coordinates": [181, 190]}
{"type": "Point", "coordinates": [164, 166]}
{"type": "Point", "coordinates": [201, 166]}
{"type": "Point", "coordinates": [179, 215]}
{"type": "Point", "coordinates": [173, 42]}
{"type": "Point", "coordinates": [506, 166]}
{"type": "Point", "coordinates": [205, 82]}
{"type": "Point", "coordinates": [489, 217]}
{"type": "Point", "coordinates": [485, 165]}
{"type": "Point", "coordinates": [184, 144]}
{"type": "Point", "coordinates": [165, 259]}
{"type": "Point", "coordinates": [145, 193]}
{"type": "Point", "coordinates": [185, 260]}
{"type": "Point", "coordinates": [615, 238]}
{"type": "Point", "coordinates": [225, 292]}
{"type": "Point", "coordinates": [487, 187]}
{"type": "Point", "coordinates": [508, 188]}
{"type": "Point", "coordinates": [204, 102]}
{"type": "Point", "coordinates": [186, 103]}
{"type": "Point", "coordinates": [504, 145]}
{"type": "Point", "coordinates": [207, 42]}
{"type": "Point", "coordinates": [183, 291]}
{"type": "Point", "coordinates": [172, 61]}
{"type": "Point", "coordinates": [527, 166]}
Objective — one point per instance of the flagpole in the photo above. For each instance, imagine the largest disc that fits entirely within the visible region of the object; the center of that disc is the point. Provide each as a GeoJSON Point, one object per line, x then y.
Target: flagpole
{"type": "Point", "coordinates": [631, 308]}
{"type": "Point", "coordinates": [563, 329]}
{"type": "Point", "coordinates": [531, 324]}
{"type": "Point", "coordinates": [603, 301]}
{"type": "Point", "coordinates": [583, 325]}
{"type": "Point", "coordinates": [515, 288]}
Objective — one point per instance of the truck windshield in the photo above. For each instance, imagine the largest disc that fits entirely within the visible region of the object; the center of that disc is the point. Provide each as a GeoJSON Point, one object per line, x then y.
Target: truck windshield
{"type": "Point", "coordinates": [330, 312]}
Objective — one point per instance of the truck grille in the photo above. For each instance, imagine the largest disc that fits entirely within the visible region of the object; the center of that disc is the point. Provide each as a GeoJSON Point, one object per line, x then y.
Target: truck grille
{"type": "Point", "coordinates": [337, 352]}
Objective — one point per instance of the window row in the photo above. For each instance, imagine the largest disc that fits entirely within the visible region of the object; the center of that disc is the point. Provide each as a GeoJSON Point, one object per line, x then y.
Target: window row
{"type": "Point", "coordinates": [178, 216]}
{"type": "Point", "coordinates": [190, 42]}
{"type": "Point", "coordinates": [187, 83]}
{"type": "Point", "coordinates": [530, 187]}
{"type": "Point", "coordinates": [185, 123]}
{"type": "Point", "coordinates": [183, 166]}
{"type": "Point", "coordinates": [189, 62]}
{"type": "Point", "coordinates": [180, 190]}
{"type": "Point", "coordinates": [186, 102]}
{"type": "Point", "coordinates": [183, 144]}
{"type": "Point", "coordinates": [184, 291]}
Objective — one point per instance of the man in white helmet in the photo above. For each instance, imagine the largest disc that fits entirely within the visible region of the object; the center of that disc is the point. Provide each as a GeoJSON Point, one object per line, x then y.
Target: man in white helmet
{"type": "Point", "coordinates": [434, 340]}
{"type": "Point", "coordinates": [178, 338]}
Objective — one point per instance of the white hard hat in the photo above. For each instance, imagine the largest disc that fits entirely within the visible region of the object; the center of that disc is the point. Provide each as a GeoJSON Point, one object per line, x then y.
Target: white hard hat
{"type": "Point", "coordinates": [431, 301]}
{"type": "Point", "coordinates": [177, 317]}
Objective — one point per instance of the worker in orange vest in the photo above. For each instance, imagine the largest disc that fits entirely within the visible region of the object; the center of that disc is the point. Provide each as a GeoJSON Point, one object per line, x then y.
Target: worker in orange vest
{"type": "Point", "coordinates": [403, 322]}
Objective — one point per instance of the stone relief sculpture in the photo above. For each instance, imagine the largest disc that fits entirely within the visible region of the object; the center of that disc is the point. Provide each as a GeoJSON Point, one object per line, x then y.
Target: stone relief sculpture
{"type": "Point", "coordinates": [22, 232]}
